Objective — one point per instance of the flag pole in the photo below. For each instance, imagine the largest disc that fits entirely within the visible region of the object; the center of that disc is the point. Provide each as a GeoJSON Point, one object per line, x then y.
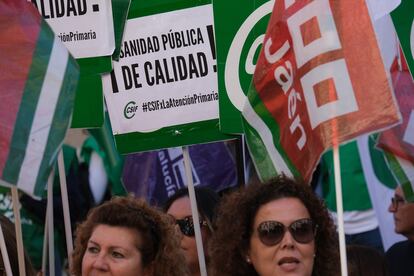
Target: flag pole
{"type": "Point", "coordinates": [340, 210]}
{"type": "Point", "coordinates": [194, 211]}
{"type": "Point", "coordinates": [45, 244]}
{"type": "Point", "coordinates": [240, 161]}
{"type": "Point", "coordinates": [4, 254]}
{"type": "Point", "coordinates": [399, 60]}
{"type": "Point", "coordinates": [50, 230]}
{"type": "Point", "coordinates": [65, 204]}
{"type": "Point", "coordinates": [245, 172]}
{"type": "Point", "coordinates": [18, 229]}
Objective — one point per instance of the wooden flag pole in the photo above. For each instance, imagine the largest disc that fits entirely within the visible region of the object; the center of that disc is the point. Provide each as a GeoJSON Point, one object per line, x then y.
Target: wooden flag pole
{"type": "Point", "coordinates": [399, 61]}
{"type": "Point", "coordinates": [194, 211]}
{"type": "Point", "coordinates": [18, 228]}
{"type": "Point", "coordinates": [340, 210]}
{"type": "Point", "coordinates": [240, 161]}
{"type": "Point", "coordinates": [245, 169]}
{"type": "Point", "coordinates": [45, 238]}
{"type": "Point", "coordinates": [4, 254]}
{"type": "Point", "coordinates": [65, 204]}
{"type": "Point", "coordinates": [50, 230]}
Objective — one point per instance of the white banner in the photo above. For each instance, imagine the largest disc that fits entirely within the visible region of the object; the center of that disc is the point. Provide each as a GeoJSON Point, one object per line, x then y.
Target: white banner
{"type": "Point", "coordinates": [166, 74]}
{"type": "Point", "coordinates": [84, 26]}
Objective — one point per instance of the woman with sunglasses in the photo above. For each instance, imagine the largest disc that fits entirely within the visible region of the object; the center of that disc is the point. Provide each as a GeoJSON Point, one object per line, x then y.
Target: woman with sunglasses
{"type": "Point", "coordinates": [179, 208]}
{"type": "Point", "coordinates": [273, 229]}
{"type": "Point", "coordinates": [126, 237]}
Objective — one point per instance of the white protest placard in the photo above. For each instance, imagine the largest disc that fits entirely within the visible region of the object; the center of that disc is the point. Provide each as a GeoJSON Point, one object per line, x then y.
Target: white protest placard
{"type": "Point", "coordinates": [166, 74]}
{"type": "Point", "coordinates": [84, 26]}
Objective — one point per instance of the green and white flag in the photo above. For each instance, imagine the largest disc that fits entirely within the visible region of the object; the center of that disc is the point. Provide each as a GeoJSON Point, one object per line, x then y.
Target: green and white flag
{"type": "Point", "coordinates": [92, 31]}
{"type": "Point", "coordinates": [403, 171]}
{"type": "Point", "coordinates": [403, 19]}
{"type": "Point", "coordinates": [38, 83]}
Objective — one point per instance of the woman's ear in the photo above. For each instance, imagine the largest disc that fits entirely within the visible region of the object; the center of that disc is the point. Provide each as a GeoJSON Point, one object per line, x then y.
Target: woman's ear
{"type": "Point", "coordinates": [246, 255]}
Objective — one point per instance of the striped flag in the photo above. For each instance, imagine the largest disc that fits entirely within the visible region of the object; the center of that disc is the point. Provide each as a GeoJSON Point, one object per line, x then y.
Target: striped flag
{"type": "Point", "coordinates": [398, 142]}
{"type": "Point", "coordinates": [320, 80]}
{"type": "Point", "coordinates": [37, 81]}
{"type": "Point", "coordinates": [403, 171]}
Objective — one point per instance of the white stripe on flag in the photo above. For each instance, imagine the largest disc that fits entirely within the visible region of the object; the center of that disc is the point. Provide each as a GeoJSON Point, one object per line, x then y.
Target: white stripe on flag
{"type": "Point", "coordinates": [266, 135]}
{"type": "Point", "coordinates": [380, 195]}
{"type": "Point", "coordinates": [379, 8]}
{"type": "Point", "coordinates": [408, 169]}
{"type": "Point", "coordinates": [43, 117]}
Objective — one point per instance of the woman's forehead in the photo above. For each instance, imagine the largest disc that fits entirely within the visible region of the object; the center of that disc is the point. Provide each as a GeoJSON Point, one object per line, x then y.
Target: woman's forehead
{"type": "Point", "coordinates": [284, 210]}
{"type": "Point", "coordinates": [180, 208]}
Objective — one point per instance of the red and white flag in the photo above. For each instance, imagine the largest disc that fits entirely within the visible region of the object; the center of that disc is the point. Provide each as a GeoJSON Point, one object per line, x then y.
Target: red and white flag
{"type": "Point", "coordinates": [320, 80]}
{"type": "Point", "coordinates": [38, 81]}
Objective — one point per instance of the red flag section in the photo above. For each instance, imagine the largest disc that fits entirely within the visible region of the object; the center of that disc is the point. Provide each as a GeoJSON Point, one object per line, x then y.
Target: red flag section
{"type": "Point", "coordinates": [38, 81]}
{"type": "Point", "coordinates": [322, 79]}
{"type": "Point", "coordinates": [399, 140]}
{"type": "Point", "coordinates": [16, 28]}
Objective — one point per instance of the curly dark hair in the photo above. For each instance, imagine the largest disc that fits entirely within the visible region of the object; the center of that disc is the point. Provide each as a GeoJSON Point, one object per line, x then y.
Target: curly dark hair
{"type": "Point", "coordinates": [235, 221]}
{"type": "Point", "coordinates": [161, 248]}
{"type": "Point", "coordinates": [365, 260]}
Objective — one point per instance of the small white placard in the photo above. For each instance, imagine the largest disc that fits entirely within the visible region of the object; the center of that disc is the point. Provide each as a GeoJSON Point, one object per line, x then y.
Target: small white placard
{"type": "Point", "coordinates": [84, 26]}
{"type": "Point", "coordinates": [166, 74]}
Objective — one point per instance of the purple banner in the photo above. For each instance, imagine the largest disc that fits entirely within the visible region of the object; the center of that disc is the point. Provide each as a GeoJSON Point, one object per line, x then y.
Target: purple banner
{"type": "Point", "coordinates": [157, 175]}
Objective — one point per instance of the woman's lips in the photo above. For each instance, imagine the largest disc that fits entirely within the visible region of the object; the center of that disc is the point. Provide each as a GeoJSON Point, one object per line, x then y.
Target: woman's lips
{"type": "Point", "coordinates": [288, 263]}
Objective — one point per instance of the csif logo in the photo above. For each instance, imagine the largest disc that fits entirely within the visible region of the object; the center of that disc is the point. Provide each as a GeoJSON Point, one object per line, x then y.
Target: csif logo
{"type": "Point", "coordinates": [233, 77]}
{"type": "Point", "coordinates": [130, 110]}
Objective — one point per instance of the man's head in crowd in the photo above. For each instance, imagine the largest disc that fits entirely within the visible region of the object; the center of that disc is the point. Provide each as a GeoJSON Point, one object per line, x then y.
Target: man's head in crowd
{"type": "Point", "coordinates": [403, 213]}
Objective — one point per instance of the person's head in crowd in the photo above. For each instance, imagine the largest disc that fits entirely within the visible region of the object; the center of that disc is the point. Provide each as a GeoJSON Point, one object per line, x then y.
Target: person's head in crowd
{"type": "Point", "coordinates": [125, 236]}
{"type": "Point", "coordinates": [9, 234]}
{"type": "Point", "coordinates": [179, 207]}
{"type": "Point", "coordinates": [365, 261]}
{"type": "Point", "coordinates": [403, 213]}
{"type": "Point", "coordinates": [277, 228]}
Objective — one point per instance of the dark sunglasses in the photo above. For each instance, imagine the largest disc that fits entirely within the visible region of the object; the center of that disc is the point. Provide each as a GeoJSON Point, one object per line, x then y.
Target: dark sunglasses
{"type": "Point", "coordinates": [272, 232]}
{"type": "Point", "coordinates": [186, 225]}
{"type": "Point", "coordinates": [397, 201]}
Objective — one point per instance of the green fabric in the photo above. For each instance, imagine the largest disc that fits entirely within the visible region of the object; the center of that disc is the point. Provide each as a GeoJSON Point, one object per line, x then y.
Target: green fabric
{"type": "Point", "coordinates": [381, 168]}
{"type": "Point", "coordinates": [32, 230]}
{"type": "Point", "coordinates": [88, 110]}
{"type": "Point", "coordinates": [69, 156]}
{"type": "Point", "coordinates": [32, 226]}
{"type": "Point", "coordinates": [354, 188]}
{"type": "Point", "coordinates": [102, 142]}
{"type": "Point", "coordinates": [119, 13]}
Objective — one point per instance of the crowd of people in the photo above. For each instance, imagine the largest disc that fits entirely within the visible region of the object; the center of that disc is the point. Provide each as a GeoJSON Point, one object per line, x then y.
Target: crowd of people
{"type": "Point", "coordinates": [277, 228]}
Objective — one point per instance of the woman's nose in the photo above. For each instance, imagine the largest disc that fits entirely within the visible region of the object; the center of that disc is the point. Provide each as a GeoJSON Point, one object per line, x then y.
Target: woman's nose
{"type": "Point", "coordinates": [392, 208]}
{"type": "Point", "coordinates": [178, 231]}
{"type": "Point", "coordinates": [287, 240]}
{"type": "Point", "coordinates": [101, 263]}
